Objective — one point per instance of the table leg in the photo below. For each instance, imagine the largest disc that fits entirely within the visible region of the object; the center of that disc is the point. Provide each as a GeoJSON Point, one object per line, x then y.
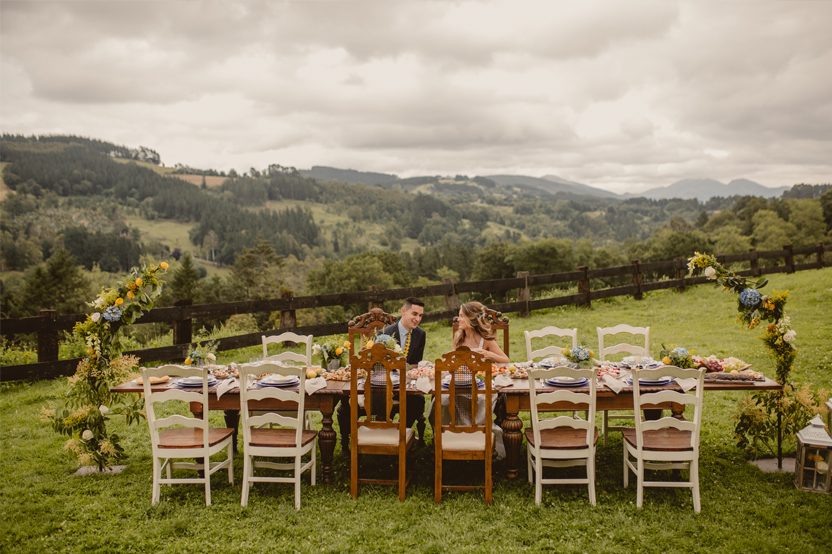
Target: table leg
{"type": "Point", "coordinates": [232, 420]}
{"type": "Point", "coordinates": [512, 437]}
{"type": "Point", "coordinates": [326, 441]}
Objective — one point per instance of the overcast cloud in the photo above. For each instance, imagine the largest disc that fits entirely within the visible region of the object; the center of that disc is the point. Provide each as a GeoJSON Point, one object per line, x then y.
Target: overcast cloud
{"type": "Point", "coordinates": [618, 95]}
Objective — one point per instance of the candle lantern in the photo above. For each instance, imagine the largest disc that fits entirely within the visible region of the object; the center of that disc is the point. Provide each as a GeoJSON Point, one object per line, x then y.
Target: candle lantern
{"type": "Point", "coordinates": [814, 458]}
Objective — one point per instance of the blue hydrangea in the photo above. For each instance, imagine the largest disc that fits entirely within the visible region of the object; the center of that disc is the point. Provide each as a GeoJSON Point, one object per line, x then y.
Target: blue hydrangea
{"type": "Point", "coordinates": [580, 353]}
{"type": "Point", "coordinates": [112, 314]}
{"type": "Point", "coordinates": [750, 298]}
{"type": "Point", "coordinates": [679, 351]}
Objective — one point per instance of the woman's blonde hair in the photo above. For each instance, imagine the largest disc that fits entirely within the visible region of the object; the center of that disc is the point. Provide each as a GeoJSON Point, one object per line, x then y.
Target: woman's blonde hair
{"type": "Point", "coordinates": [474, 312]}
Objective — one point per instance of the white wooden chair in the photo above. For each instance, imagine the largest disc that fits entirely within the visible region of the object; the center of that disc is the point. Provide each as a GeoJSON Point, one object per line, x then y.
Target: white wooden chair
{"type": "Point", "coordinates": [551, 349]}
{"type": "Point", "coordinates": [605, 351]}
{"type": "Point", "coordinates": [290, 357]}
{"type": "Point", "coordinates": [289, 440]}
{"type": "Point", "coordinates": [178, 436]}
{"type": "Point", "coordinates": [667, 443]}
{"type": "Point", "coordinates": [562, 440]}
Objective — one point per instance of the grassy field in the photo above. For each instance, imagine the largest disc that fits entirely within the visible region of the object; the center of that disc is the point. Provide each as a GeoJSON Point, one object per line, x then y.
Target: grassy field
{"type": "Point", "coordinates": [743, 510]}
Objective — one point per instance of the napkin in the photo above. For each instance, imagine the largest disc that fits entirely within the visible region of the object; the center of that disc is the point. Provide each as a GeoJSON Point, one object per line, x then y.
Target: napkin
{"type": "Point", "coordinates": [687, 384]}
{"type": "Point", "coordinates": [424, 384]}
{"type": "Point", "coordinates": [313, 385]}
{"type": "Point", "coordinates": [503, 381]}
{"type": "Point", "coordinates": [225, 385]}
{"type": "Point", "coordinates": [613, 384]}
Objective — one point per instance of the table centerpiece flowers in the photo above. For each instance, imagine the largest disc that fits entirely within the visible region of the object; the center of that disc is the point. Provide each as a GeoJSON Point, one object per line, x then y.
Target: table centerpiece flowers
{"type": "Point", "coordinates": [331, 353]}
{"type": "Point", "coordinates": [579, 355]}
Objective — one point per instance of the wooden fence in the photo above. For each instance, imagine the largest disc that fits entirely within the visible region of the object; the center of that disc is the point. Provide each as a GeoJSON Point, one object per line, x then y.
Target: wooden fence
{"type": "Point", "coordinates": [49, 325]}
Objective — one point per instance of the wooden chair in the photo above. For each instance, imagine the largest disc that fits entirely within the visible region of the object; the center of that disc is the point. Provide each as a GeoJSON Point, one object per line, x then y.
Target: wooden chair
{"type": "Point", "coordinates": [463, 436]}
{"type": "Point", "coordinates": [290, 440]}
{"type": "Point", "coordinates": [562, 440]}
{"type": "Point", "coordinates": [638, 334]}
{"type": "Point", "coordinates": [294, 358]}
{"type": "Point", "coordinates": [376, 433]}
{"type": "Point", "coordinates": [667, 443]}
{"type": "Point", "coordinates": [178, 436]}
{"type": "Point", "coordinates": [498, 322]}
{"type": "Point", "coordinates": [371, 323]}
{"type": "Point", "coordinates": [551, 349]}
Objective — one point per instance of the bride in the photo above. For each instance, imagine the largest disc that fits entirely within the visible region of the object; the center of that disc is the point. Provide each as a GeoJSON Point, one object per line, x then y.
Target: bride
{"type": "Point", "coordinates": [474, 331]}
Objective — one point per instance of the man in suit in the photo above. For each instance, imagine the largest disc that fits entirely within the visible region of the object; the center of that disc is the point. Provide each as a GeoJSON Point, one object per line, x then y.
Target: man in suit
{"type": "Point", "coordinates": [411, 337]}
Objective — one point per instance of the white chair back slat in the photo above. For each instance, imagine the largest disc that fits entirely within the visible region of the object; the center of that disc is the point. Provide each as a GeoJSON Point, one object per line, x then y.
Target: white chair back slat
{"type": "Point", "coordinates": [303, 358]}
{"type": "Point", "coordinates": [623, 347]}
{"type": "Point", "coordinates": [173, 370]}
{"type": "Point", "coordinates": [668, 423]}
{"type": "Point", "coordinates": [666, 371]}
{"type": "Point", "coordinates": [649, 398]}
{"type": "Point", "coordinates": [560, 371]}
{"type": "Point", "coordinates": [564, 421]}
{"type": "Point", "coordinates": [549, 350]}
{"type": "Point", "coordinates": [180, 420]}
{"type": "Point", "coordinates": [272, 418]}
{"type": "Point", "coordinates": [193, 395]}
{"type": "Point", "coordinates": [561, 396]}
{"type": "Point", "coordinates": [284, 395]}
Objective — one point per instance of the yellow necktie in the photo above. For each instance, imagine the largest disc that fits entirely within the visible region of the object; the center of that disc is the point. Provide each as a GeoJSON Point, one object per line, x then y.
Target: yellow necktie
{"type": "Point", "coordinates": [407, 343]}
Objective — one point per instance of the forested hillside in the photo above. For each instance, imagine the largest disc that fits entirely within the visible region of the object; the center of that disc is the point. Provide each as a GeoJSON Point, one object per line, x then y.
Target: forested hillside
{"type": "Point", "coordinates": [70, 200]}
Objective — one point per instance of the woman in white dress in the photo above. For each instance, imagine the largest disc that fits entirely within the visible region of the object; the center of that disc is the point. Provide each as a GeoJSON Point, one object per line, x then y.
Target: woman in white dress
{"type": "Point", "coordinates": [474, 331]}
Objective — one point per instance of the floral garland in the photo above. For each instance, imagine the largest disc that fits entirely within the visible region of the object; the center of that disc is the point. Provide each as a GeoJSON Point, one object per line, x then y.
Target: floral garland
{"type": "Point", "coordinates": [89, 402]}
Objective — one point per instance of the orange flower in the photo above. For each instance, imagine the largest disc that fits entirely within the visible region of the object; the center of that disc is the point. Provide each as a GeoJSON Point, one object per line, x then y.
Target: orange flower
{"type": "Point", "coordinates": [139, 281]}
{"type": "Point", "coordinates": [164, 266]}
{"type": "Point", "coordinates": [119, 301]}
{"type": "Point", "coordinates": [130, 295]}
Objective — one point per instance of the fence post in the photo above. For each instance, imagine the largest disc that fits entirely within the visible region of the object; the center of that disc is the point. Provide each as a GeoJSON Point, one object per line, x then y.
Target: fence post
{"type": "Point", "coordinates": [819, 253]}
{"type": "Point", "coordinates": [524, 294]}
{"type": "Point", "coordinates": [451, 297]}
{"type": "Point", "coordinates": [789, 258]}
{"type": "Point", "coordinates": [288, 318]}
{"type": "Point", "coordinates": [638, 281]}
{"type": "Point", "coordinates": [679, 272]}
{"type": "Point", "coordinates": [183, 328]}
{"type": "Point", "coordinates": [48, 338]}
{"type": "Point", "coordinates": [583, 286]}
{"type": "Point", "coordinates": [754, 258]}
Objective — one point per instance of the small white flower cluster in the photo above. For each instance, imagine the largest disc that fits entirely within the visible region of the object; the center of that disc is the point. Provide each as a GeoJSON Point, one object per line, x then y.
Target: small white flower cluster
{"type": "Point", "coordinates": [784, 327]}
{"type": "Point", "coordinates": [710, 273]}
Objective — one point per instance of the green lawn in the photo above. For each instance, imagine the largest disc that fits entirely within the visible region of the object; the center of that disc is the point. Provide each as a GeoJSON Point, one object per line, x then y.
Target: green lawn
{"type": "Point", "coordinates": [46, 508]}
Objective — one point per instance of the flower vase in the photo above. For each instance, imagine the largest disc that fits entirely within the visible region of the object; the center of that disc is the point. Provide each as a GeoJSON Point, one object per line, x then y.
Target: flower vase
{"type": "Point", "coordinates": [333, 364]}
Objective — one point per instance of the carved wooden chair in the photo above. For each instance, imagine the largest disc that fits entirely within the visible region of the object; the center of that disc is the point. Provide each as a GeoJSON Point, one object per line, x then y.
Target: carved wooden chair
{"type": "Point", "coordinates": [460, 434]}
{"type": "Point", "coordinates": [498, 322]}
{"type": "Point", "coordinates": [377, 433]}
{"type": "Point", "coordinates": [667, 443]}
{"type": "Point", "coordinates": [638, 334]}
{"type": "Point", "coordinates": [562, 440]}
{"type": "Point", "coordinates": [179, 436]}
{"type": "Point", "coordinates": [549, 349]}
{"type": "Point", "coordinates": [371, 323]}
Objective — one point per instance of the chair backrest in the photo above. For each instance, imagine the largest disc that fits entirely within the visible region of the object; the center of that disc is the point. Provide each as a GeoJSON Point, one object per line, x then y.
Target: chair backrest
{"type": "Point", "coordinates": [188, 395]}
{"type": "Point", "coordinates": [551, 349]}
{"type": "Point", "coordinates": [251, 395]}
{"type": "Point", "coordinates": [638, 333]}
{"type": "Point", "coordinates": [371, 323]}
{"type": "Point", "coordinates": [498, 322]}
{"type": "Point", "coordinates": [288, 356]}
{"type": "Point", "coordinates": [570, 400]}
{"type": "Point", "coordinates": [648, 400]}
{"type": "Point", "coordinates": [381, 365]}
{"type": "Point", "coordinates": [462, 368]}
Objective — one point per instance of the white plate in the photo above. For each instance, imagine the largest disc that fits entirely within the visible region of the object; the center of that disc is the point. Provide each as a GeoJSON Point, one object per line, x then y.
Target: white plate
{"type": "Point", "coordinates": [567, 382]}
{"type": "Point", "coordinates": [275, 378]}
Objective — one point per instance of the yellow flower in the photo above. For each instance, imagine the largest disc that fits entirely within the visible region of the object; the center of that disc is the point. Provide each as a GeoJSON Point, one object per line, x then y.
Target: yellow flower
{"type": "Point", "coordinates": [347, 345]}
{"type": "Point", "coordinates": [119, 301]}
{"type": "Point", "coordinates": [164, 266]}
{"type": "Point", "coordinates": [188, 361]}
{"type": "Point", "coordinates": [339, 351]}
{"type": "Point", "coordinates": [130, 295]}
{"type": "Point", "coordinates": [666, 360]}
{"type": "Point", "coordinates": [139, 281]}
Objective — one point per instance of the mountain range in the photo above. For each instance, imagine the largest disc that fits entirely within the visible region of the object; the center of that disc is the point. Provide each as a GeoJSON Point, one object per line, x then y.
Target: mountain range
{"type": "Point", "coordinates": [701, 189]}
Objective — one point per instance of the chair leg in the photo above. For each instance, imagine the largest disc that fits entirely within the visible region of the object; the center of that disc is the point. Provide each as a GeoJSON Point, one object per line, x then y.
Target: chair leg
{"type": "Point", "coordinates": [157, 475]}
{"type": "Point", "coordinates": [437, 482]}
{"type": "Point", "coordinates": [297, 482]}
{"type": "Point", "coordinates": [207, 477]}
{"type": "Point", "coordinates": [314, 466]}
{"type": "Point", "coordinates": [246, 480]}
{"type": "Point", "coordinates": [538, 479]}
{"type": "Point", "coordinates": [626, 458]}
{"type": "Point", "coordinates": [529, 464]}
{"type": "Point", "coordinates": [694, 478]}
{"type": "Point", "coordinates": [354, 472]}
{"type": "Point", "coordinates": [168, 470]}
{"type": "Point", "coordinates": [489, 484]}
{"type": "Point", "coordinates": [229, 452]}
{"type": "Point", "coordinates": [640, 483]}
{"type": "Point", "coordinates": [590, 477]}
{"type": "Point", "coordinates": [604, 426]}
{"type": "Point", "coordinates": [402, 475]}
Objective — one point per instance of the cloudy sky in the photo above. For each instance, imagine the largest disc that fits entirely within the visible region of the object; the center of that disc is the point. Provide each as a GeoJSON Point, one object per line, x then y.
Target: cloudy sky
{"type": "Point", "coordinates": [618, 95]}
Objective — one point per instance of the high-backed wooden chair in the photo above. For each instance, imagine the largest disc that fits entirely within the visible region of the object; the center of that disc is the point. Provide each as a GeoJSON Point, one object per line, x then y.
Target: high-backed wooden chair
{"type": "Point", "coordinates": [377, 433]}
{"type": "Point", "coordinates": [289, 440]}
{"type": "Point", "coordinates": [549, 349]}
{"type": "Point", "coordinates": [461, 434]}
{"type": "Point", "coordinates": [179, 436]}
{"type": "Point", "coordinates": [371, 323]}
{"type": "Point", "coordinates": [498, 322]}
{"type": "Point", "coordinates": [667, 443]}
{"type": "Point", "coordinates": [606, 350]}
{"type": "Point", "coordinates": [562, 440]}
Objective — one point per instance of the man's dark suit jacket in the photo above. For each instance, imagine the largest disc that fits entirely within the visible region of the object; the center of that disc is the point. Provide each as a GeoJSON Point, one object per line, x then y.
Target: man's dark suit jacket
{"type": "Point", "coordinates": [417, 342]}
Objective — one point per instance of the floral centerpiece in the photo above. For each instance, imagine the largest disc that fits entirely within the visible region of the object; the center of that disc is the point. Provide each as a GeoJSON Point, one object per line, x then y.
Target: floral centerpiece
{"type": "Point", "coordinates": [680, 357]}
{"type": "Point", "coordinates": [580, 355]}
{"type": "Point", "coordinates": [331, 353]}
{"type": "Point", "coordinates": [758, 414]}
{"type": "Point", "coordinates": [89, 402]}
{"type": "Point", "coordinates": [389, 342]}
{"type": "Point", "coordinates": [203, 353]}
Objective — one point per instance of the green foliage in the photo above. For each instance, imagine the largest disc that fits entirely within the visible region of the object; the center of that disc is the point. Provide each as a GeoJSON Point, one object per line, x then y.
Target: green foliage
{"type": "Point", "coordinates": [183, 286]}
{"type": "Point", "coordinates": [57, 284]}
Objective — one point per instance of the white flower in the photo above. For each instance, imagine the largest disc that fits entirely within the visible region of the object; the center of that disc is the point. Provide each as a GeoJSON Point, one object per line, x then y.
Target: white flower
{"type": "Point", "coordinates": [103, 409]}
{"type": "Point", "coordinates": [95, 317]}
{"type": "Point", "coordinates": [86, 435]}
{"type": "Point", "coordinates": [710, 273]}
{"type": "Point", "coordinates": [210, 357]}
{"type": "Point", "coordinates": [99, 302]}
{"type": "Point", "coordinates": [789, 335]}
{"type": "Point", "coordinates": [316, 349]}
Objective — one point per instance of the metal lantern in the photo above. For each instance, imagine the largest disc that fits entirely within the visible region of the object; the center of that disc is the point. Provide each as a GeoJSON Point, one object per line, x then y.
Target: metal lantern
{"type": "Point", "coordinates": [814, 458]}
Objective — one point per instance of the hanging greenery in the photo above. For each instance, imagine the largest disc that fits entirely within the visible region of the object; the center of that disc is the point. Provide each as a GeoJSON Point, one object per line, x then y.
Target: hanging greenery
{"type": "Point", "coordinates": [756, 425]}
{"type": "Point", "coordinates": [89, 404]}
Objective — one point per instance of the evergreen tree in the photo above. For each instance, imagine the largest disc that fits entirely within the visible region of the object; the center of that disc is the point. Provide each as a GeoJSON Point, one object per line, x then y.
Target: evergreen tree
{"type": "Point", "coordinates": [185, 278]}
{"type": "Point", "coordinates": [58, 284]}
